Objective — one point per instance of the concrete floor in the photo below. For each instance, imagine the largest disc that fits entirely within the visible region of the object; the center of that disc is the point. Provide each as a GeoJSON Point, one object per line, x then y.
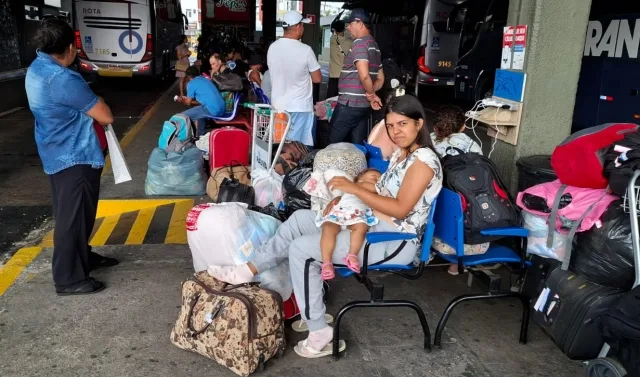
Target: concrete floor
{"type": "Point", "coordinates": [124, 331]}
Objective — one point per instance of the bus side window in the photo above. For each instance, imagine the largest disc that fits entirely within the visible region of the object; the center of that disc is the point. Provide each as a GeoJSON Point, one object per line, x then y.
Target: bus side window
{"type": "Point", "coordinates": [162, 10]}
{"type": "Point", "coordinates": [175, 16]}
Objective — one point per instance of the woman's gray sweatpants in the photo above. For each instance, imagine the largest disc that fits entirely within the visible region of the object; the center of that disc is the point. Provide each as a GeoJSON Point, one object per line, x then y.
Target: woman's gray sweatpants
{"type": "Point", "coordinates": [299, 239]}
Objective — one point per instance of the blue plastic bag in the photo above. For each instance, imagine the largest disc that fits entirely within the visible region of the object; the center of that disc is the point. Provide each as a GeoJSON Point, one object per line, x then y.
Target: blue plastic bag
{"type": "Point", "coordinates": [176, 174]}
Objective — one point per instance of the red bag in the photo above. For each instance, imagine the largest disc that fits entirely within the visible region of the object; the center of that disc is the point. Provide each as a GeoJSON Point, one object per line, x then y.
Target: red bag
{"type": "Point", "coordinates": [290, 308]}
{"type": "Point", "coordinates": [579, 160]}
{"type": "Point", "coordinates": [228, 145]}
{"type": "Point", "coordinates": [102, 136]}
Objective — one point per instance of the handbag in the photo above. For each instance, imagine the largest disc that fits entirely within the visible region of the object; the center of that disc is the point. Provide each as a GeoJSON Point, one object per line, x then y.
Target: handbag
{"type": "Point", "coordinates": [228, 82]}
{"type": "Point", "coordinates": [181, 66]}
{"type": "Point", "coordinates": [231, 190]}
{"type": "Point", "coordinates": [235, 170]}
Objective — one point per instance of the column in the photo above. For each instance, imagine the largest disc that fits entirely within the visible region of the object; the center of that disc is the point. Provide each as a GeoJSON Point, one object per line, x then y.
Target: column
{"type": "Point", "coordinates": [552, 64]}
{"type": "Point", "coordinates": [312, 34]}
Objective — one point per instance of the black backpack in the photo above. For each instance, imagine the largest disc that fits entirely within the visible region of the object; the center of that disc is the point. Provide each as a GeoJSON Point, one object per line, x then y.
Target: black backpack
{"type": "Point", "coordinates": [485, 201]}
{"type": "Point", "coordinates": [620, 172]}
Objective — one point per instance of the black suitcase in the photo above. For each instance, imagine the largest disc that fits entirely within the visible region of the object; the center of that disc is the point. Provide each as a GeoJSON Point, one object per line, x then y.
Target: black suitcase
{"type": "Point", "coordinates": [569, 314]}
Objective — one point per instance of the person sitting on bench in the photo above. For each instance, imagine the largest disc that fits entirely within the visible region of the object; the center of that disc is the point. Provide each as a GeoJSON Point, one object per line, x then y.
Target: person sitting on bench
{"type": "Point", "coordinates": [204, 96]}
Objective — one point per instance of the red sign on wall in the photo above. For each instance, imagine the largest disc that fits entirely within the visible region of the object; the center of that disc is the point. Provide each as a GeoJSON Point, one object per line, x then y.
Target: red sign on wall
{"type": "Point", "coordinates": [226, 10]}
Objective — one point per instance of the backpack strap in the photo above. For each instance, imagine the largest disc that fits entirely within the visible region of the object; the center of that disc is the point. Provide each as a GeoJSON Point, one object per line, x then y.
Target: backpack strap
{"type": "Point", "coordinates": [572, 233]}
{"type": "Point", "coordinates": [551, 221]}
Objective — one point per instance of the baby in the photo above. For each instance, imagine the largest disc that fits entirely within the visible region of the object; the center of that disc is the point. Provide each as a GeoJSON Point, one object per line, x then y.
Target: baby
{"type": "Point", "coordinates": [349, 212]}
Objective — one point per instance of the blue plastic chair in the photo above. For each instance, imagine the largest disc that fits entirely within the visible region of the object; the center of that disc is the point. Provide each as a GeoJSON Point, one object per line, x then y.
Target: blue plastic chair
{"type": "Point", "coordinates": [229, 116]}
{"type": "Point", "coordinates": [260, 93]}
{"type": "Point", "coordinates": [449, 227]}
{"type": "Point", "coordinates": [375, 159]}
{"type": "Point", "coordinates": [377, 290]}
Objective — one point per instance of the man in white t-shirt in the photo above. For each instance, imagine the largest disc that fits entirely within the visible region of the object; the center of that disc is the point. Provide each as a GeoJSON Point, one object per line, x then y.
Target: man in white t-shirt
{"type": "Point", "coordinates": [294, 68]}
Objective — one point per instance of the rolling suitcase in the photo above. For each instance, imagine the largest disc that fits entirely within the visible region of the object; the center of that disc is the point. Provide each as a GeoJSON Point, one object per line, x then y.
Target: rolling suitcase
{"type": "Point", "coordinates": [227, 146]}
{"type": "Point", "coordinates": [567, 309]}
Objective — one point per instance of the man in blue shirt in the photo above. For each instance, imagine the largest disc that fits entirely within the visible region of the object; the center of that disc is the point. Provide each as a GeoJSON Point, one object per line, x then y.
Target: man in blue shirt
{"type": "Point", "coordinates": [206, 98]}
{"type": "Point", "coordinates": [65, 108]}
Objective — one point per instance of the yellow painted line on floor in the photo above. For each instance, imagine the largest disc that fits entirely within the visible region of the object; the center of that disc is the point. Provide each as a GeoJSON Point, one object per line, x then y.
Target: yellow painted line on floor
{"type": "Point", "coordinates": [108, 208]}
{"type": "Point", "coordinates": [102, 234]}
{"type": "Point", "coordinates": [140, 226]}
{"type": "Point", "coordinates": [177, 232]}
{"type": "Point", "coordinates": [47, 240]}
{"type": "Point", "coordinates": [13, 268]}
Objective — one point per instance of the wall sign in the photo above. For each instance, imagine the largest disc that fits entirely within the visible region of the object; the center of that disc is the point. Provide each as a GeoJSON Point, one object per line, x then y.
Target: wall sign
{"type": "Point", "coordinates": [227, 10]}
{"type": "Point", "coordinates": [514, 47]}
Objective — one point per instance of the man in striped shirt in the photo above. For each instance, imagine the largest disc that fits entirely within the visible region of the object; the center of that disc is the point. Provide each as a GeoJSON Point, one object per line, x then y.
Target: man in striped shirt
{"type": "Point", "coordinates": [361, 78]}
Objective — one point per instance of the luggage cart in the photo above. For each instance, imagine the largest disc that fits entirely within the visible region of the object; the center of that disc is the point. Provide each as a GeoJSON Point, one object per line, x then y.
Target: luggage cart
{"type": "Point", "coordinates": [604, 365]}
{"type": "Point", "coordinates": [270, 127]}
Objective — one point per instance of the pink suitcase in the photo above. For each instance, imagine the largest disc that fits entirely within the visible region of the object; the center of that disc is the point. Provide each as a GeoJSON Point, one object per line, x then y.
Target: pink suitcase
{"type": "Point", "coordinates": [227, 145]}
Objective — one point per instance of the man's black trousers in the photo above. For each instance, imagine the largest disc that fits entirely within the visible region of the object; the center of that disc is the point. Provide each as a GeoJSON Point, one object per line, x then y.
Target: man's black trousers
{"type": "Point", "coordinates": [74, 196]}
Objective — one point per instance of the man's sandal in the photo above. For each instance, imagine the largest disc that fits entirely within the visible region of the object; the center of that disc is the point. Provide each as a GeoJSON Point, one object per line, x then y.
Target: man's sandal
{"type": "Point", "coordinates": [328, 272]}
{"type": "Point", "coordinates": [352, 262]}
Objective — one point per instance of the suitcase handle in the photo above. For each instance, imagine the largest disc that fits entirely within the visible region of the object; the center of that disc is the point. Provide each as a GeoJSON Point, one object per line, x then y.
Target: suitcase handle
{"type": "Point", "coordinates": [192, 331]}
{"type": "Point", "coordinates": [251, 284]}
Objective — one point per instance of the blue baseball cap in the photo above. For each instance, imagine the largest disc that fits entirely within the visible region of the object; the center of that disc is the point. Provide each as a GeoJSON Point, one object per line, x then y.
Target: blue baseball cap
{"type": "Point", "coordinates": [358, 14]}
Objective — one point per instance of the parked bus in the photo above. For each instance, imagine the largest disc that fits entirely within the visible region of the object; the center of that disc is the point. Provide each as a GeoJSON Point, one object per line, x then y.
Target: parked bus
{"type": "Point", "coordinates": [439, 41]}
{"type": "Point", "coordinates": [417, 35]}
{"type": "Point", "coordinates": [127, 38]}
{"type": "Point", "coordinates": [609, 83]}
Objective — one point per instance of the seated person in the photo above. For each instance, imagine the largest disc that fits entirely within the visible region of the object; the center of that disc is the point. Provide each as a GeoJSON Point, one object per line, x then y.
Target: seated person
{"type": "Point", "coordinates": [219, 68]}
{"type": "Point", "coordinates": [449, 139]}
{"type": "Point", "coordinates": [402, 201]}
{"type": "Point", "coordinates": [204, 96]}
{"type": "Point", "coordinates": [255, 65]}
{"type": "Point", "coordinates": [347, 212]}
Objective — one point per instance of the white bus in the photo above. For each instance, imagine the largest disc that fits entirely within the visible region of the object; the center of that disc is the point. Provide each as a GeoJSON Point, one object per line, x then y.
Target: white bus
{"type": "Point", "coordinates": [126, 38]}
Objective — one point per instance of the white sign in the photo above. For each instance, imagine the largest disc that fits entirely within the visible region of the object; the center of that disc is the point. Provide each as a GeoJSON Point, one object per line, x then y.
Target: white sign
{"type": "Point", "coordinates": [507, 47]}
{"type": "Point", "coordinates": [260, 155]}
{"type": "Point", "coordinates": [519, 47]}
{"type": "Point", "coordinates": [614, 40]}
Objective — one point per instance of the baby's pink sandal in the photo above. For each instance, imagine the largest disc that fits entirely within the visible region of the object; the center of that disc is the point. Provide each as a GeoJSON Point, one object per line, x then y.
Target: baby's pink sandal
{"type": "Point", "coordinates": [353, 263]}
{"type": "Point", "coordinates": [328, 271]}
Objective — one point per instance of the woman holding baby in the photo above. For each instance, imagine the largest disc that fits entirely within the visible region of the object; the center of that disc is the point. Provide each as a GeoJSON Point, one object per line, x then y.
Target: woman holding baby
{"type": "Point", "coordinates": [400, 202]}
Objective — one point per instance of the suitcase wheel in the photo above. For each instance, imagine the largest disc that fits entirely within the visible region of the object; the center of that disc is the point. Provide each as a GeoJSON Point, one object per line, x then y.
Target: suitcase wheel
{"type": "Point", "coordinates": [605, 367]}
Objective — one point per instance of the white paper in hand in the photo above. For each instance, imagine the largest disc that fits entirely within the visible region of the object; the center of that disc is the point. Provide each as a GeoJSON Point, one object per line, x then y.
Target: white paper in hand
{"type": "Point", "coordinates": [118, 164]}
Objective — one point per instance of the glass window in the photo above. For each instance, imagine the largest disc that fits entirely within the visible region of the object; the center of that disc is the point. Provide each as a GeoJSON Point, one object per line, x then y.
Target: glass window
{"type": "Point", "coordinates": [327, 37]}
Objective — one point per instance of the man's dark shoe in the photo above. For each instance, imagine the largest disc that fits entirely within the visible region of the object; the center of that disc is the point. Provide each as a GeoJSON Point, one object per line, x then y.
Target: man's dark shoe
{"type": "Point", "coordinates": [85, 287]}
{"type": "Point", "coordinates": [97, 261]}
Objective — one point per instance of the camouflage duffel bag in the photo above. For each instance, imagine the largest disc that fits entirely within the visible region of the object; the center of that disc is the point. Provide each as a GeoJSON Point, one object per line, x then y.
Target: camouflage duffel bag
{"type": "Point", "coordinates": [239, 326]}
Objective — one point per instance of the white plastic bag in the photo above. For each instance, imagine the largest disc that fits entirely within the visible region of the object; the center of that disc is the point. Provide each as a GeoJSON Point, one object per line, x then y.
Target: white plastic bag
{"type": "Point", "coordinates": [537, 239]}
{"type": "Point", "coordinates": [278, 279]}
{"type": "Point", "coordinates": [121, 172]}
{"type": "Point", "coordinates": [226, 234]}
{"type": "Point", "coordinates": [268, 187]}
